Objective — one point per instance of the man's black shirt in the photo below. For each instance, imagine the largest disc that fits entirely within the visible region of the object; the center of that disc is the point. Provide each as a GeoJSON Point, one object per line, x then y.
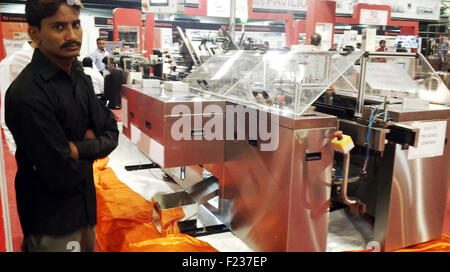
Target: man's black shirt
{"type": "Point", "coordinates": [45, 108]}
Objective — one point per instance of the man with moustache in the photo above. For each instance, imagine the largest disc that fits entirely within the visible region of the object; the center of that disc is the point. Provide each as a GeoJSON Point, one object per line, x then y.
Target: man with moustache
{"type": "Point", "coordinates": [60, 128]}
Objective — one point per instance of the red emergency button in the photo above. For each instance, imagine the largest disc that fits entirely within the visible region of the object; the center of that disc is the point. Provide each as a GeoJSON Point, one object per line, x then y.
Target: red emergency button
{"type": "Point", "coordinates": [338, 134]}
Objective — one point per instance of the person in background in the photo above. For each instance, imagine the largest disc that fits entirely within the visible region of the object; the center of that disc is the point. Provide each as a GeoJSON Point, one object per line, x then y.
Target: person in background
{"type": "Point", "coordinates": [185, 53]}
{"type": "Point", "coordinates": [442, 51]}
{"type": "Point", "coordinates": [358, 47]}
{"type": "Point", "coordinates": [96, 77]}
{"type": "Point", "coordinates": [114, 78]}
{"type": "Point", "coordinates": [316, 41]}
{"type": "Point", "coordinates": [10, 68]}
{"type": "Point", "coordinates": [99, 54]}
{"type": "Point", "coordinates": [60, 128]}
{"type": "Point", "coordinates": [443, 44]}
{"type": "Point", "coordinates": [382, 47]}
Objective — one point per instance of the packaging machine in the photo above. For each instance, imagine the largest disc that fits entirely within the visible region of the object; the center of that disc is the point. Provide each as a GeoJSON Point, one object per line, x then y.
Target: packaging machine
{"type": "Point", "coordinates": [250, 138]}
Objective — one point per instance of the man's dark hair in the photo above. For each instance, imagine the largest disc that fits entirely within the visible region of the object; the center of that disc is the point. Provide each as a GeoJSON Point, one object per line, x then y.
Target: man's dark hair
{"type": "Point", "coordinates": [100, 39]}
{"type": "Point", "coordinates": [38, 10]}
{"type": "Point", "coordinates": [382, 41]}
{"type": "Point", "coordinates": [87, 62]}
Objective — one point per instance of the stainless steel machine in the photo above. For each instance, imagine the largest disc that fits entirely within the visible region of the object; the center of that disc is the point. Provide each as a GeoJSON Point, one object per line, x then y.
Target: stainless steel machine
{"type": "Point", "coordinates": [250, 139]}
{"type": "Point", "coordinates": [273, 168]}
{"type": "Point", "coordinates": [398, 117]}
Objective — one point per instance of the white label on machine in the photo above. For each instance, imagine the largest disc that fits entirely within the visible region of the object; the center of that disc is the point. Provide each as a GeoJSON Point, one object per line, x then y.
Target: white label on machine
{"type": "Point", "coordinates": [148, 146]}
{"type": "Point", "coordinates": [125, 112]}
{"type": "Point", "coordinates": [136, 135]}
{"type": "Point", "coordinates": [431, 140]}
{"type": "Point", "coordinates": [156, 151]}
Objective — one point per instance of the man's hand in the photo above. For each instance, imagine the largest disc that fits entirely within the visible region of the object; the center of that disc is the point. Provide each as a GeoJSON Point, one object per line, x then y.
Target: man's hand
{"type": "Point", "coordinates": [73, 151]}
{"type": "Point", "coordinates": [89, 135]}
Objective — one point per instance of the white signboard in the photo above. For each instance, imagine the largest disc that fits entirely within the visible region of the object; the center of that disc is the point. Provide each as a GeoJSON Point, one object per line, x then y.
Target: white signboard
{"type": "Point", "coordinates": [431, 140]}
{"type": "Point", "coordinates": [326, 32]}
{"type": "Point", "coordinates": [287, 5]}
{"type": "Point", "coordinates": [404, 9]}
{"type": "Point", "coordinates": [368, 38]}
{"type": "Point", "coordinates": [125, 112]}
{"type": "Point", "coordinates": [12, 46]}
{"type": "Point", "coordinates": [350, 38]}
{"type": "Point", "coordinates": [373, 17]}
{"type": "Point", "coordinates": [242, 10]}
{"type": "Point", "coordinates": [219, 8]}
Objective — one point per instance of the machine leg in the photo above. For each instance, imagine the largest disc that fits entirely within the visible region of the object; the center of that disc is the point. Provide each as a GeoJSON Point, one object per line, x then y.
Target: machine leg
{"type": "Point", "coordinates": [141, 167]}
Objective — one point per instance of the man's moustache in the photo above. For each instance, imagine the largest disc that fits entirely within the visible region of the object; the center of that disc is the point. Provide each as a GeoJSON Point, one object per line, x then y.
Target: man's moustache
{"type": "Point", "coordinates": [70, 44]}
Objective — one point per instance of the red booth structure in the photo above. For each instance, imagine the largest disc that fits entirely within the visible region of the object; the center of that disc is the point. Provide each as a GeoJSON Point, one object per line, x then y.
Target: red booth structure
{"type": "Point", "coordinates": [406, 27]}
{"type": "Point", "coordinates": [202, 10]}
{"type": "Point", "coordinates": [133, 18]}
{"type": "Point", "coordinates": [2, 46]}
{"type": "Point", "coordinates": [287, 17]}
{"type": "Point", "coordinates": [319, 12]}
{"type": "Point", "coordinates": [149, 33]}
{"type": "Point", "coordinates": [127, 17]}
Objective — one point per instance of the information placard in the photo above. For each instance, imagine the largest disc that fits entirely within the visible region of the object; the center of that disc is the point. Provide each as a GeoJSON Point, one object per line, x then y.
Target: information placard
{"type": "Point", "coordinates": [431, 140]}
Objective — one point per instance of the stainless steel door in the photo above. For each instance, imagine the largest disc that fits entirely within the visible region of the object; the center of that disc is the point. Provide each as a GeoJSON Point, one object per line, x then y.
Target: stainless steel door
{"type": "Point", "coordinates": [418, 199]}
{"type": "Point", "coordinates": [279, 200]}
{"type": "Point", "coordinates": [310, 189]}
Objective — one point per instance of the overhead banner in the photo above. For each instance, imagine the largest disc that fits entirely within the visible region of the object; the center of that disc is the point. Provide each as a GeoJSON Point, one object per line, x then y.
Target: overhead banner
{"type": "Point", "coordinates": [284, 5]}
{"type": "Point", "coordinates": [403, 9]}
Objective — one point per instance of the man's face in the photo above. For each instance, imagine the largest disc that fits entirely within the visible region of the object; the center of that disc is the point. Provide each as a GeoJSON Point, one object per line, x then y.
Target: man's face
{"type": "Point", "coordinates": [382, 45]}
{"type": "Point", "coordinates": [101, 45]}
{"type": "Point", "coordinates": [60, 36]}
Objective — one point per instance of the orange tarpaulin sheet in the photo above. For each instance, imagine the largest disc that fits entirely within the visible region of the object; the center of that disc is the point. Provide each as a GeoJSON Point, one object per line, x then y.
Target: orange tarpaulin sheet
{"type": "Point", "coordinates": [441, 245]}
{"type": "Point", "coordinates": [124, 220]}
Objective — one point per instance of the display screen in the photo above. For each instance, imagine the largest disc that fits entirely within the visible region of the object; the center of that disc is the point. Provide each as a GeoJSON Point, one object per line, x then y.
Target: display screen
{"type": "Point", "coordinates": [407, 42]}
{"type": "Point", "coordinates": [129, 35]}
{"type": "Point", "coordinates": [191, 3]}
{"type": "Point", "coordinates": [159, 2]}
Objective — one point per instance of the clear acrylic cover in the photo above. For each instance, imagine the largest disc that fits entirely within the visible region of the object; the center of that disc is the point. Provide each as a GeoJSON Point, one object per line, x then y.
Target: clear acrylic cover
{"type": "Point", "coordinates": [398, 77]}
{"type": "Point", "coordinates": [219, 73]}
{"type": "Point", "coordinates": [283, 82]}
